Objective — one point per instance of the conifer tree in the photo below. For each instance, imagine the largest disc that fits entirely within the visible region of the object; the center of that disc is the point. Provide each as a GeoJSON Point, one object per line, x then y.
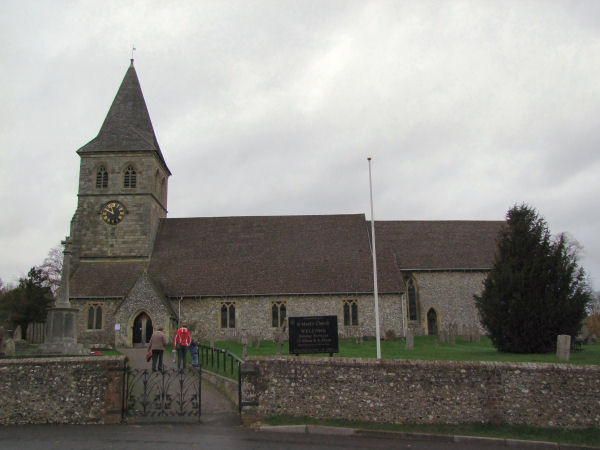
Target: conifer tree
{"type": "Point", "coordinates": [536, 289]}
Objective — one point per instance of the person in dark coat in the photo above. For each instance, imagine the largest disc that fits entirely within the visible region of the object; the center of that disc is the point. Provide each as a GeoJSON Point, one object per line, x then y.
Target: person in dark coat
{"type": "Point", "coordinates": [157, 345]}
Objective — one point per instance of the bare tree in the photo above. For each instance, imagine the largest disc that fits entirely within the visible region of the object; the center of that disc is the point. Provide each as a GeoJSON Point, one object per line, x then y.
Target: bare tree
{"type": "Point", "coordinates": [52, 268]}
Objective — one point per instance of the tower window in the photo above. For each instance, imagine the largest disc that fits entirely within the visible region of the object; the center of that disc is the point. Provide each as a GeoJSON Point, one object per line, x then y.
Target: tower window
{"type": "Point", "coordinates": [101, 178]}
{"type": "Point", "coordinates": [129, 180]}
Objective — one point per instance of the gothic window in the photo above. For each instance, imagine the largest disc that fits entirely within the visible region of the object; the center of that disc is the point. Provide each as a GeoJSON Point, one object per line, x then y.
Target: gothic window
{"type": "Point", "coordinates": [129, 179]}
{"type": "Point", "coordinates": [94, 317]}
{"type": "Point", "coordinates": [227, 315]}
{"type": "Point", "coordinates": [350, 312]}
{"type": "Point", "coordinates": [101, 178]}
{"type": "Point", "coordinates": [412, 300]}
{"type": "Point", "coordinates": [278, 313]}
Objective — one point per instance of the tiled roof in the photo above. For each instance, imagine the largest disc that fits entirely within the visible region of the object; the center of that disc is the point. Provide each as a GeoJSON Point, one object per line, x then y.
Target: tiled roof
{"type": "Point", "coordinates": [263, 255]}
{"type": "Point", "coordinates": [104, 279]}
{"type": "Point", "coordinates": [127, 126]}
{"type": "Point", "coordinates": [426, 245]}
{"type": "Point", "coordinates": [225, 256]}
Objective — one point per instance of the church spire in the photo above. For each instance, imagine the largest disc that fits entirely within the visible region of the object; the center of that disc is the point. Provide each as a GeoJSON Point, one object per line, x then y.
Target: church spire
{"type": "Point", "coordinates": [127, 126]}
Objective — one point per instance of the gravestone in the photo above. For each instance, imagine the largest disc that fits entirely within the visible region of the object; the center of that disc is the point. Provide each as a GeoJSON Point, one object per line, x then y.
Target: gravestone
{"type": "Point", "coordinates": [563, 347]}
{"type": "Point", "coordinates": [2, 341]}
{"type": "Point", "coordinates": [410, 341]}
{"type": "Point", "coordinates": [9, 348]}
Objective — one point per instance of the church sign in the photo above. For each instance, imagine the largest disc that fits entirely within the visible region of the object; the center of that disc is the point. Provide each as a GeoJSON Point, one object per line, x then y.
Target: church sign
{"type": "Point", "coordinates": [315, 334]}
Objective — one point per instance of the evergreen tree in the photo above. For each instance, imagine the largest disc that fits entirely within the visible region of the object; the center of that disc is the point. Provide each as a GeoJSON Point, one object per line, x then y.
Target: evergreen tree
{"type": "Point", "coordinates": [536, 290]}
{"type": "Point", "coordinates": [28, 302]}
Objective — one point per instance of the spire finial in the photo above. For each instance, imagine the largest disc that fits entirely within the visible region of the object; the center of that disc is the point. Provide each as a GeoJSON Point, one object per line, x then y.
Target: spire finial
{"type": "Point", "coordinates": [132, 50]}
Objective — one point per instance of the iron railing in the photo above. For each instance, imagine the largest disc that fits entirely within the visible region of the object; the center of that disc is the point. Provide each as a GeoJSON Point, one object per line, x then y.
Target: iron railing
{"type": "Point", "coordinates": [217, 359]}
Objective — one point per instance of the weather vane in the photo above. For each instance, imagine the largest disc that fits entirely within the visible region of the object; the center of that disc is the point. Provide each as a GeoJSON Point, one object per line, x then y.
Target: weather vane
{"type": "Point", "coordinates": [132, 50]}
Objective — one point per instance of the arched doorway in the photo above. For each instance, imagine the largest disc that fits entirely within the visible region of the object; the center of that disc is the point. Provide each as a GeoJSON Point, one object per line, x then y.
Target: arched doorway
{"type": "Point", "coordinates": [432, 324]}
{"type": "Point", "coordinates": [142, 329]}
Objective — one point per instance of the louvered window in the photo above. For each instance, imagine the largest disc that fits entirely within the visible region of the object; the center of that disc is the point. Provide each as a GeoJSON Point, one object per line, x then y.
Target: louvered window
{"type": "Point", "coordinates": [129, 179]}
{"type": "Point", "coordinates": [101, 178]}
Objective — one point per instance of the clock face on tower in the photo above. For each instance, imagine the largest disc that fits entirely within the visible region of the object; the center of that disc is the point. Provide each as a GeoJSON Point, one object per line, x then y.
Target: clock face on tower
{"type": "Point", "coordinates": [113, 212]}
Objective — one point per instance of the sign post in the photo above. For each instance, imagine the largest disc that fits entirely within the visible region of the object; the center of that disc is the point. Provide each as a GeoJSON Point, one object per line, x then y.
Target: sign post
{"type": "Point", "coordinates": [314, 334]}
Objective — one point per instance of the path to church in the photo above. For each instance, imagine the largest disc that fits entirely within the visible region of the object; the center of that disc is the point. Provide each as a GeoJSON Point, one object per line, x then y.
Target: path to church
{"type": "Point", "coordinates": [216, 409]}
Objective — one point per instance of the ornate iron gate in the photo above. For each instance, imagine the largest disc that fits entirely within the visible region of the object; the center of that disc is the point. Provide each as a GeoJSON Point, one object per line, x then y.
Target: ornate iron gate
{"type": "Point", "coordinates": [163, 394]}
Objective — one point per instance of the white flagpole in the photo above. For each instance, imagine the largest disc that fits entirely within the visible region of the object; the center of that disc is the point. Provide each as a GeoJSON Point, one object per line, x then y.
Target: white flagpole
{"type": "Point", "coordinates": [374, 266]}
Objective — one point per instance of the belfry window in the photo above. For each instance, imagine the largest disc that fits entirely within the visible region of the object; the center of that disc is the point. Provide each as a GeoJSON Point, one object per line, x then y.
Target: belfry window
{"type": "Point", "coordinates": [101, 178]}
{"type": "Point", "coordinates": [278, 314]}
{"type": "Point", "coordinates": [94, 317]}
{"type": "Point", "coordinates": [227, 315]}
{"type": "Point", "coordinates": [129, 179]}
{"type": "Point", "coordinates": [350, 312]}
{"type": "Point", "coordinates": [412, 300]}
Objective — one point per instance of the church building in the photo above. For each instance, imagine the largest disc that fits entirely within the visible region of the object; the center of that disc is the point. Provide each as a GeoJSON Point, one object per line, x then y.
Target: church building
{"type": "Point", "coordinates": [133, 269]}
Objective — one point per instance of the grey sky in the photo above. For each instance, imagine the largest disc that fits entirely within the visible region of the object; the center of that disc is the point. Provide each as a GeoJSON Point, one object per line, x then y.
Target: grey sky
{"type": "Point", "coordinates": [272, 107]}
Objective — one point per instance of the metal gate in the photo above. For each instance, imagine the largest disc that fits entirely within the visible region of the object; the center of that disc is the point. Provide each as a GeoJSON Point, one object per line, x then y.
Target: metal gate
{"type": "Point", "coordinates": [163, 395]}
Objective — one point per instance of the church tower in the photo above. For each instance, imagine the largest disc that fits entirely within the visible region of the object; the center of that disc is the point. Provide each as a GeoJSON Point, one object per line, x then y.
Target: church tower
{"type": "Point", "coordinates": [123, 181]}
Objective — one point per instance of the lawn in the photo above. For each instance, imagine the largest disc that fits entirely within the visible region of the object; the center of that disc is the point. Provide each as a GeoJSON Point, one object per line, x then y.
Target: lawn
{"type": "Point", "coordinates": [428, 348]}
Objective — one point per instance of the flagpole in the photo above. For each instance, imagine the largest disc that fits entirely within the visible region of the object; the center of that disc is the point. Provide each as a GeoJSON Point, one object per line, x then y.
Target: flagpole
{"type": "Point", "coordinates": [377, 340]}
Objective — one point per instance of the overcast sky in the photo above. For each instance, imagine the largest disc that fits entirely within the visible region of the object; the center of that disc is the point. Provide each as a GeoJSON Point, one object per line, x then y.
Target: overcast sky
{"type": "Point", "coordinates": [272, 107]}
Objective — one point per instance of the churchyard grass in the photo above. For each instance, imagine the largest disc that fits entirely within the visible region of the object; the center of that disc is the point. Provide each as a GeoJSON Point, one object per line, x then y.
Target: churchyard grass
{"type": "Point", "coordinates": [427, 348]}
{"type": "Point", "coordinates": [587, 437]}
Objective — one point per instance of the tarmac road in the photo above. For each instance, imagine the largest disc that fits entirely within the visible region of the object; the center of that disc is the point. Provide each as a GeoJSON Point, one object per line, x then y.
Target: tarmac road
{"type": "Point", "coordinates": [188, 436]}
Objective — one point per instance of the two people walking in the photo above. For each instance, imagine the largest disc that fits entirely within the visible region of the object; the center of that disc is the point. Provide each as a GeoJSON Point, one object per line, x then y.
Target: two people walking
{"type": "Point", "coordinates": [181, 343]}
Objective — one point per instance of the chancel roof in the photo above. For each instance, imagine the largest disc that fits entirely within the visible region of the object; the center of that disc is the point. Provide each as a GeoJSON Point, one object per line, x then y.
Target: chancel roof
{"type": "Point", "coordinates": [127, 126]}
{"type": "Point", "coordinates": [438, 245]}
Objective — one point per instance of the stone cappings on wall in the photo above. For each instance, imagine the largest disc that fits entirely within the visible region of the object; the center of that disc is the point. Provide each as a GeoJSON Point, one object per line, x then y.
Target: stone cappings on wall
{"type": "Point", "coordinates": [81, 390]}
{"type": "Point", "coordinates": [423, 392]}
{"type": "Point", "coordinates": [450, 294]}
{"type": "Point", "coordinates": [253, 314]}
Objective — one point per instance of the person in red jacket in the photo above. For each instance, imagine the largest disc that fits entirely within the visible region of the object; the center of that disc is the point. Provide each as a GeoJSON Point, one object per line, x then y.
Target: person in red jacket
{"type": "Point", "coordinates": [183, 339]}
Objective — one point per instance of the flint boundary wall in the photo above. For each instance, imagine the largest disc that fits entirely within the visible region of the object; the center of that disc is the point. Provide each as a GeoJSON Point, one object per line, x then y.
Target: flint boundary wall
{"type": "Point", "coordinates": [422, 392]}
{"type": "Point", "coordinates": [74, 390]}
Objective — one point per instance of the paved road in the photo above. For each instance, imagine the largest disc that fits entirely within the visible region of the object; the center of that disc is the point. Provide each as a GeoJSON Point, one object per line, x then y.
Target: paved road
{"type": "Point", "coordinates": [216, 409]}
{"type": "Point", "coordinates": [185, 436]}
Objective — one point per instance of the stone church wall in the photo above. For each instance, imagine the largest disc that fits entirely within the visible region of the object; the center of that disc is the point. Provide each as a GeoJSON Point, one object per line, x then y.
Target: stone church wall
{"type": "Point", "coordinates": [142, 298]}
{"type": "Point", "coordinates": [253, 314]}
{"type": "Point", "coordinates": [450, 294]}
{"type": "Point", "coordinates": [103, 337]}
{"type": "Point", "coordinates": [423, 392]}
{"type": "Point", "coordinates": [74, 390]}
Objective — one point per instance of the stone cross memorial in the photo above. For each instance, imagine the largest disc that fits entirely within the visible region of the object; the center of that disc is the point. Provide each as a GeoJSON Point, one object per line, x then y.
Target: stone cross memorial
{"type": "Point", "coordinates": [61, 323]}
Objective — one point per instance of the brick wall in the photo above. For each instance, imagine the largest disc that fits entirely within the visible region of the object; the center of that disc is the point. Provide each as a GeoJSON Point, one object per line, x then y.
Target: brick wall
{"type": "Point", "coordinates": [81, 390]}
{"type": "Point", "coordinates": [423, 392]}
